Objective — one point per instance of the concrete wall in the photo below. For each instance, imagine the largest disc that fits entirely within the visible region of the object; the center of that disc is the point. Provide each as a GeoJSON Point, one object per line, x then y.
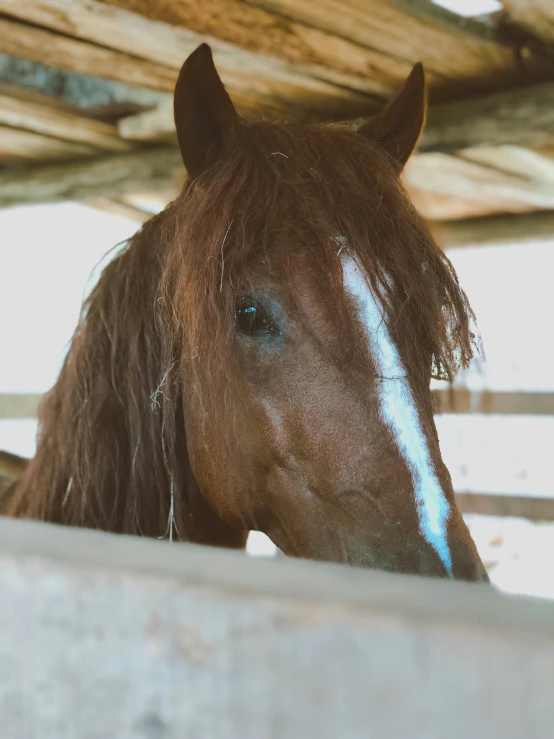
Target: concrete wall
{"type": "Point", "coordinates": [105, 637]}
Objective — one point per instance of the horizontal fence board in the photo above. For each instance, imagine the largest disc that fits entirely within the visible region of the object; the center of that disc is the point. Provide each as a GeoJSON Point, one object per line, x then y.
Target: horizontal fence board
{"type": "Point", "coordinates": [503, 403]}
{"type": "Point", "coordinates": [14, 406]}
{"type": "Point", "coordinates": [533, 507]}
{"type": "Point", "coordinates": [105, 635]}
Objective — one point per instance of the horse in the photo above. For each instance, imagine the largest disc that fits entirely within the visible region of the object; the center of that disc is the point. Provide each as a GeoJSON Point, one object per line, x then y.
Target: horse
{"type": "Point", "coordinates": [259, 355]}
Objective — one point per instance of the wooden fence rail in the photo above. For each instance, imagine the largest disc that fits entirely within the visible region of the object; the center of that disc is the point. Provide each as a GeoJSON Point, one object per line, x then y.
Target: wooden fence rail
{"type": "Point", "coordinates": [13, 405]}
{"type": "Point", "coordinates": [111, 636]}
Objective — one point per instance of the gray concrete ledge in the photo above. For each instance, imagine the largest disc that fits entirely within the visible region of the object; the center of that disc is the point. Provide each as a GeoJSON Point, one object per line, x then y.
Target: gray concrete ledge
{"type": "Point", "coordinates": [106, 637]}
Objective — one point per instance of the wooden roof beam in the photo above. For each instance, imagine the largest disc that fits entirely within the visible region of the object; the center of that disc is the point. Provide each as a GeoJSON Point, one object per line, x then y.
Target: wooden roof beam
{"type": "Point", "coordinates": [83, 91]}
{"type": "Point", "coordinates": [158, 50]}
{"type": "Point", "coordinates": [497, 230]}
{"type": "Point", "coordinates": [535, 16]}
{"type": "Point", "coordinates": [461, 50]}
{"type": "Point", "coordinates": [107, 177]}
{"type": "Point", "coordinates": [42, 114]}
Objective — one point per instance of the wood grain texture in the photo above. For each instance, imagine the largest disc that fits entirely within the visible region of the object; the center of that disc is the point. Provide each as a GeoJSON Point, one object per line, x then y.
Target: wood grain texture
{"type": "Point", "coordinates": [108, 177]}
{"type": "Point", "coordinates": [119, 208]}
{"type": "Point", "coordinates": [497, 230]}
{"type": "Point", "coordinates": [459, 400]}
{"type": "Point", "coordinates": [45, 115]}
{"type": "Point", "coordinates": [83, 91]}
{"type": "Point", "coordinates": [459, 49]}
{"type": "Point", "coordinates": [446, 207]}
{"type": "Point", "coordinates": [502, 403]}
{"type": "Point", "coordinates": [535, 16]}
{"type": "Point", "coordinates": [313, 51]}
{"type": "Point", "coordinates": [17, 145]}
{"type": "Point", "coordinates": [446, 174]}
{"type": "Point", "coordinates": [523, 116]}
{"type": "Point", "coordinates": [141, 638]}
{"type": "Point", "coordinates": [247, 74]}
{"type": "Point", "coordinates": [53, 49]}
{"type": "Point", "coordinates": [531, 507]}
{"type": "Point", "coordinates": [531, 165]}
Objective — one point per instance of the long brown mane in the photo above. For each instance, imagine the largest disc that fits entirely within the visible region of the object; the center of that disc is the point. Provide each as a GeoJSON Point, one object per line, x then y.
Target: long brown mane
{"type": "Point", "coordinates": [112, 451]}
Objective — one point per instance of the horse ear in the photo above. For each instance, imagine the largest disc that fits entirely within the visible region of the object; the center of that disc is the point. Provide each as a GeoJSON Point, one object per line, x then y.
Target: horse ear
{"type": "Point", "coordinates": [205, 117]}
{"type": "Point", "coordinates": [398, 127]}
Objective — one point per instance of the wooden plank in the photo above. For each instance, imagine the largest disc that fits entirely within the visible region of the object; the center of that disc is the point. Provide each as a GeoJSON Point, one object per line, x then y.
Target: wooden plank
{"type": "Point", "coordinates": [459, 49]}
{"type": "Point", "coordinates": [445, 174]}
{"type": "Point", "coordinates": [44, 115]}
{"type": "Point", "coordinates": [318, 53]}
{"type": "Point", "coordinates": [55, 50]}
{"type": "Point", "coordinates": [18, 405]}
{"type": "Point", "coordinates": [151, 125]}
{"type": "Point", "coordinates": [525, 163]}
{"type": "Point", "coordinates": [25, 145]}
{"type": "Point", "coordinates": [534, 508]}
{"type": "Point", "coordinates": [251, 78]}
{"type": "Point", "coordinates": [108, 177]}
{"type": "Point", "coordinates": [119, 208]}
{"type": "Point", "coordinates": [12, 466]}
{"type": "Point", "coordinates": [437, 207]}
{"type": "Point", "coordinates": [497, 230]}
{"type": "Point", "coordinates": [511, 403]}
{"type": "Point", "coordinates": [523, 116]}
{"type": "Point", "coordinates": [535, 16]}
{"type": "Point", "coordinates": [120, 629]}
{"type": "Point", "coordinates": [80, 90]}
{"type": "Point", "coordinates": [458, 401]}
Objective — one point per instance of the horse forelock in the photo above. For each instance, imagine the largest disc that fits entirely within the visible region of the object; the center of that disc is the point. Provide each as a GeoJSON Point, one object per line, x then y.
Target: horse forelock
{"type": "Point", "coordinates": [283, 190]}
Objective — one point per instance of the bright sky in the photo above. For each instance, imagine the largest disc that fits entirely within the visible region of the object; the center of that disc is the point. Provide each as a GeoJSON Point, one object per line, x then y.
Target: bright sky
{"type": "Point", "coordinates": [470, 7]}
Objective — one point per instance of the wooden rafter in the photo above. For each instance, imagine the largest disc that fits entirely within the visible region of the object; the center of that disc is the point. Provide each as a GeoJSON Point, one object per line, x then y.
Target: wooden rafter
{"type": "Point", "coordinates": [460, 50]}
{"type": "Point", "coordinates": [535, 16]}
{"type": "Point", "coordinates": [457, 401]}
{"type": "Point", "coordinates": [44, 115]}
{"type": "Point", "coordinates": [83, 91]}
{"type": "Point", "coordinates": [108, 177]}
{"type": "Point", "coordinates": [252, 78]}
{"type": "Point", "coordinates": [496, 230]}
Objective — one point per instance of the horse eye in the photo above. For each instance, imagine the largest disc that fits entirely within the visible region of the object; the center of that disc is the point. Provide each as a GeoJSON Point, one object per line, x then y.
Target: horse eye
{"type": "Point", "coordinates": [252, 319]}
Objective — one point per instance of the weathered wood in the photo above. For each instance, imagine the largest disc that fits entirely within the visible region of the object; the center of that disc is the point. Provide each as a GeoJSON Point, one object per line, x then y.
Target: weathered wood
{"type": "Point", "coordinates": [119, 208]}
{"type": "Point", "coordinates": [439, 207]}
{"type": "Point", "coordinates": [53, 49]}
{"type": "Point", "coordinates": [523, 116]}
{"type": "Point", "coordinates": [496, 230]}
{"type": "Point", "coordinates": [459, 49]}
{"type": "Point", "coordinates": [19, 405]}
{"type": "Point", "coordinates": [318, 53]}
{"type": "Point", "coordinates": [126, 637]}
{"type": "Point", "coordinates": [109, 177]}
{"type": "Point", "coordinates": [154, 125]}
{"type": "Point", "coordinates": [519, 117]}
{"type": "Point", "coordinates": [251, 78]}
{"type": "Point", "coordinates": [80, 90]}
{"type": "Point", "coordinates": [445, 174]}
{"type": "Point", "coordinates": [44, 115]}
{"type": "Point", "coordinates": [531, 165]}
{"type": "Point", "coordinates": [512, 403]}
{"type": "Point", "coordinates": [12, 465]}
{"type": "Point", "coordinates": [446, 401]}
{"type": "Point", "coordinates": [535, 16]}
{"type": "Point", "coordinates": [26, 145]}
{"type": "Point", "coordinates": [532, 507]}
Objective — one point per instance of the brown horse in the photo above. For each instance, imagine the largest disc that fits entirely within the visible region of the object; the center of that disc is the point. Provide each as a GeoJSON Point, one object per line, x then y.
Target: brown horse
{"type": "Point", "coordinates": [258, 357]}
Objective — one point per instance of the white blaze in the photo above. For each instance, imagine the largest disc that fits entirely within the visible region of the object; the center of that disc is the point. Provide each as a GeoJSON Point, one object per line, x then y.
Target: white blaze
{"type": "Point", "coordinates": [398, 411]}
